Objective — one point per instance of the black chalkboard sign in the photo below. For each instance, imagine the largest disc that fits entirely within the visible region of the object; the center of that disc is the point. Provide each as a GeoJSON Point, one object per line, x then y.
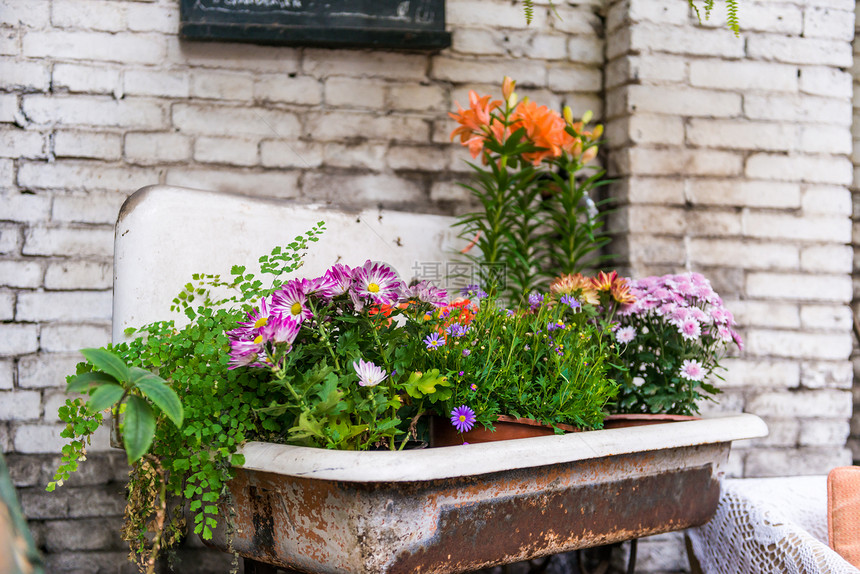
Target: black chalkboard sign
{"type": "Point", "coordinates": [398, 24]}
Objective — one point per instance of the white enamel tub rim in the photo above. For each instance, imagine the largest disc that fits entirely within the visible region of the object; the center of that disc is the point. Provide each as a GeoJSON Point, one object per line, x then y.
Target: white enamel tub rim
{"type": "Point", "coordinates": [468, 460]}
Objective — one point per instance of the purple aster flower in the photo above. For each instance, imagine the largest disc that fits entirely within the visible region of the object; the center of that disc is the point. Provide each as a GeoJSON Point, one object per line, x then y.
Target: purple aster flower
{"type": "Point", "coordinates": [290, 300]}
{"type": "Point", "coordinates": [463, 418]}
{"type": "Point", "coordinates": [337, 281]}
{"type": "Point", "coordinates": [692, 370]}
{"type": "Point", "coordinates": [369, 375]}
{"type": "Point", "coordinates": [571, 302]}
{"type": "Point", "coordinates": [554, 325]}
{"type": "Point", "coordinates": [473, 291]}
{"type": "Point", "coordinates": [457, 330]}
{"type": "Point", "coordinates": [377, 282]}
{"type": "Point", "coordinates": [434, 341]}
{"type": "Point", "coordinates": [535, 300]}
{"type": "Point", "coordinates": [466, 352]}
{"type": "Point", "coordinates": [461, 373]}
{"type": "Point", "coordinates": [473, 386]}
{"type": "Point", "coordinates": [428, 293]}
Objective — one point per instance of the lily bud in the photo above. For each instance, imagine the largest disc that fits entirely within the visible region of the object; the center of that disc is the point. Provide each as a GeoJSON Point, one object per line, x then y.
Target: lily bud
{"type": "Point", "coordinates": [586, 117]}
{"type": "Point", "coordinates": [508, 87]}
{"type": "Point", "coordinates": [598, 131]}
{"type": "Point", "coordinates": [568, 115]}
{"type": "Point", "coordinates": [512, 100]}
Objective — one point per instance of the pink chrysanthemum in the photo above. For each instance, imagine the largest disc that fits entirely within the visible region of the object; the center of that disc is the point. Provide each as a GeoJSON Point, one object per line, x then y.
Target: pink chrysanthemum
{"type": "Point", "coordinates": [428, 293]}
{"type": "Point", "coordinates": [281, 329]}
{"type": "Point", "coordinates": [463, 418]}
{"type": "Point", "coordinates": [369, 375]}
{"type": "Point", "coordinates": [625, 334]}
{"type": "Point", "coordinates": [291, 301]}
{"type": "Point", "coordinates": [690, 329]}
{"type": "Point", "coordinates": [246, 353]}
{"type": "Point", "coordinates": [377, 282]}
{"type": "Point", "coordinates": [338, 280]}
{"type": "Point", "coordinates": [692, 370]}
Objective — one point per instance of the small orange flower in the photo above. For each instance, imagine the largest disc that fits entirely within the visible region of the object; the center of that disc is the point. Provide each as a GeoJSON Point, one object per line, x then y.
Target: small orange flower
{"type": "Point", "coordinates": [603, 281]}
{"type": "Point", "coordinates": [544, 128]}
{"type": "Point", "coordinates": [620, 291]}
{"type": "Point", "coordinates": [474, 122]}
{"type": "Point", "coordinates": [577, 285]}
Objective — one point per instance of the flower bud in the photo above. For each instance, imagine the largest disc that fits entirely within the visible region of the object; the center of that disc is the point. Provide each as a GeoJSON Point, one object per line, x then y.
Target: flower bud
{"type": "Point", "coordinates": [586, 117]}
{"type": "Point", "coordinates": [512, 101]}
{"type": "Point", "coordinates": [598, 131]}
{"type": "Point", "coordinates": [508, 87]}
{"type": "Point", "coordinates": [568, 115]}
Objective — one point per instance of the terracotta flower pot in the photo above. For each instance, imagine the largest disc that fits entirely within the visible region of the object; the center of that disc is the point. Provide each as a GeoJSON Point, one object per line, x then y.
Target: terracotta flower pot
{"type": "Point", "coordinates": [635, 420]}
{"type": "Point", "coordinates": [443, 433]}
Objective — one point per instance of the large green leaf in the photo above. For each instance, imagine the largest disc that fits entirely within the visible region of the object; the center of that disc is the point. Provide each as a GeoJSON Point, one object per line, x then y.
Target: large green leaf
{"type": "Point", "coordinates": [106, 361]}
{"type": "Point", "coordinates": [155, 388]}
{"type": "Point", "coordinates": [83, 381]}
{"type": "Point", "coordinates": [138, 428]}
{"type": "Point", "coordinates": [105, 396]}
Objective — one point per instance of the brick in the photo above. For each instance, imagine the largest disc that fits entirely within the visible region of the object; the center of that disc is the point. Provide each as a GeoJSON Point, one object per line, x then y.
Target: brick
{"type": "Point", "coordinates": [62, 241]}
{"type": "Point", "coordinates": [826, 317]}
{"type": "Point", "coordinates": [785, 226]}
{"type": "Point", "coordinates": [18, 339]}
{"type": "Point", "coordinates": [64, 306]}
{"type": "Point", "coordinates": [46, 370]}
{"type": "Point", "coordinates": [152, 18]}
{"type": "Point", "coordinates": [802, 404]}
{"type": "Point", "coordinates": [21, 273]}
{"type": "Point", "coordinates": [24, 75]}
{"type": "Point", "coordinates": [798, 108]}
{"type": "Point", "coordinates": [295, 90]}
{"type": "Point", "coordinates": [280, 153]}
{"type": "Point", "coordinates": [91, 561]}
{"type": "Point", "coordinates": [78, 275]}
{"type": "Point", "coordinates": [826, 81]}
{"type": "Point", "coordinates": [7, 174]}
{"type": "Point", "coordinates": [733, 134]}
{"type": "Point", "coordinates": [20, 405]}
{"type": "Point", "coordinates": [800, 50]}
{"type": "Point", "coordinates": [90, 145]}
{"type": "Point", "coordinates": [661, 68]}
{"type": "Point", "coordinates": [391, 65]}
{"type": "Point", "coordinates": [485, 70]}
{"type": "Point", "coordinates": [221, 120]}
{"type": "Point", "coordinates": [364, 155]}
{"type": "Point", "coordinates": [7, 305]}
{"type": "Point", "coordinates": [790, 344]}
{"type": "Point", "coordinates": [651, 161]}
{"type": "Point", "coordinates": [231, 151]}
{"type": "Point", "coordinates": [713, 223]}
{"type": "Point", "coordinates": [814, 169]}
{"type": "Point", "coordinates": [687, 41]}
{"type": "Point", "coordinates": [164, 84]}
{"type": "Point", "coordinates": [417, 97]}
{"type": "Point", "coordinates": [8, 108]}
{"type": "Point", "coordinates": [575, 19]}
{"type": "Point", "coordinates": [78, 78]}
{"type": "Point", "coordinates": [764, 313]}
{"type": "Point", "coordinates": [827, 199]}
{"type": "Point", "coordinates": [24, 207]}
{"type": "Point", "coordinates": [682, 101]}
{"type": "Point", "coordinates": [228, 55]}
{"type": "Point", "coordinates": [85, 176]}
{"type": "Point", "coordinates": [780, 433]}
{"type": "Point", "coordinates": [150, 148]}
{"type": "Point", "coordinates": [90, 208]}
{"type": "Point", "coordinates": [761, 373]}
{"type": "Point", "coordinates": [471, 41]}
{"type": "Point", "coordinates": [660, 190]}
{"type": "Point", "coordinates": [10, 238]}
{"type": "Point", "coordinates": [85, 534]}
{"type": "Point", "coordinates": [9, 42]}
{"type": "Point", "coordinates": [799, 287]}
{"type": "Point", "coordinates": [828, 23]}
{"type": "Point", "coordinates": [97, 501]}
{"type": "Point", "coordinates": [585, 49]}
{"type": "Point", "coordinates": [332, 126]}
{"type": "Point", "coordinates": [359, 190]}
{"type": "Point", "coordinates": [211, 84]}
{"type": "Point", "coordinates": [826, 258]}
{"type": "Point", "coordinates": [823, 433]}
{"type": "Point", "coordinates": [764, 17]}
{"type": "Point", "coordinates": [94, 112]}
{"type": "Point", "coordinates": [664, 12]}
{"type": "Point", "coordinates": [649, 219]}
{"type": "Point", "coordinates": [17, 143]}
{"type": "Point", "coordinates": [38, 504]}
{"type": "Point", "coordinates": [743, 75]}
{"type": "Point", "coordinates": [826, 374]}
{"type": "Point", "coordinates": [825, 139]}
{"type": "Point", "coordinates": [571, 78]}
{"type": "Point", "coordinates": [98, 46]}
{"type": "Point", "coordinates": [26, 13]}
{"type": "Point", "coordinates": [354, 93]}
{"type": "Point", "coordinates": [424, 158]}
{"type": "Point", "coordinates": [727, 192]}
{"type": "Point", "coordinates": [66, 338]}
{"type": "Point", "coordinates": [651, 250]}
{"type": "Point", "coordinates": [88, 14]}
{"type": "Point", "coordinates": [7, 374]}
{"type": "Point", "coordinates": [650, 129]}
{"type": "Point", "coordinates": [45, 438]}
{"type": "Point", "coordinates": [448, 191]}
{"type": "Point", "coordinates": [265, 184]}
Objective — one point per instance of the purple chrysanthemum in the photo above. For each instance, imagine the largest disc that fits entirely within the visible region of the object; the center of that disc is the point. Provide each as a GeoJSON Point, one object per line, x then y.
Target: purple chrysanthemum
{"type": "Point", "coordinates": [428, 293]}
{"type": "Point", "coordinates": [463, 418]}
{"type": "Point", "coordinates": [473, 291]}
{"type": "Point", "coordinates": [369, 375]}
{"type": "Point", "coordinates": [245, 353]}
{"type": "Point", "coordinates": [434, 341]}
{"type": "Point", "coordinates": [692, 370]}
{"type": "Point", "coordinates": [290, 300]}
{"type": "Point", "coordinates": [281, 329]}
{"type": "Point", "coordinates": [336, 281]}
{"type": "Point", "coordinates": [377, 282]}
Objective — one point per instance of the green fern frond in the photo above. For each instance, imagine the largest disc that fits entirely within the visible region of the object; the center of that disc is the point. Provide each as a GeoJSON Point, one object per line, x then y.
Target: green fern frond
{"type": "Point", "coordinates": [709, 5]}
{"type": "Point", "coordinates": [732, 16]}
{"type": "Point", "coordinates": [696, 10]}
{"type": "Point", "coordinates": [529, 9]}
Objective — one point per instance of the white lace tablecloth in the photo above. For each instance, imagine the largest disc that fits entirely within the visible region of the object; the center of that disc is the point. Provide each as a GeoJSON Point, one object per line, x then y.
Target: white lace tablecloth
{"type": "Point", "coordinates": [769, 525]}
